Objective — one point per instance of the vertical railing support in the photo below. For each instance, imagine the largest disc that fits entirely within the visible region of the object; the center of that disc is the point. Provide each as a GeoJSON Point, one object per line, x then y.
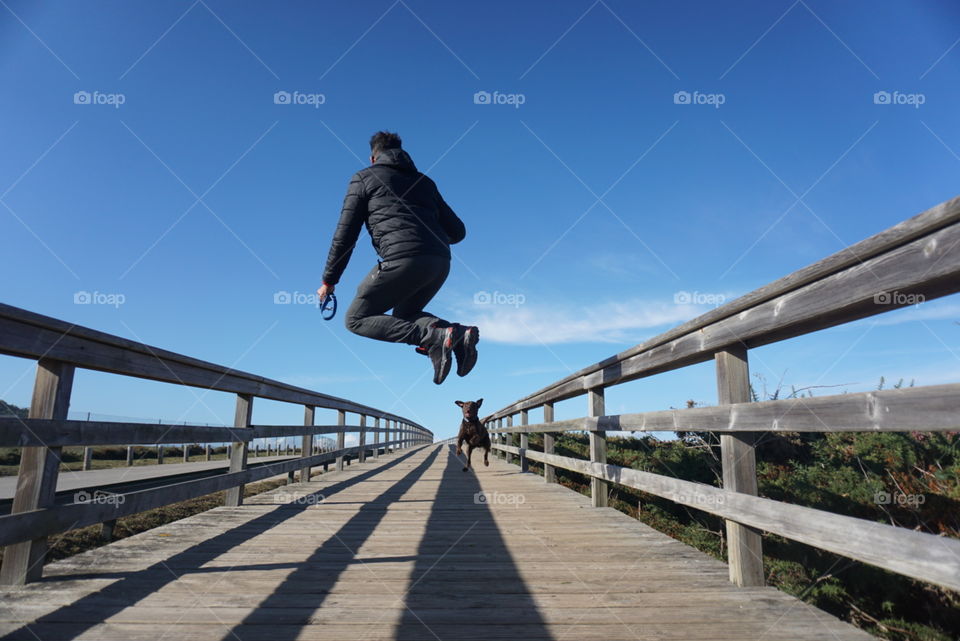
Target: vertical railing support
{"type": "Point", "coordinates": [510, 436]}
{"type": "Point", "coordinates": [598, 447]}
{"type": "Point", "coordinates": [376, 437]}
{"type": "Point", "coordinates": [738, 457]}
{"type": "Point", "coordinates": [341, 439]}
{"type": "Point", "coordinates": [362, 455]}
{"type": "Point", "coordinates": [306, 443]}
{"type": "Point", "coordinates": [238, 453]}
{"type": "Point", "coordinates": [549, 442]}
{"type": "Point", "coordinates": [129, 455]}
{"type": "Point", "coordinates": [39, 466]}
{"type": "Point", "coordinates": [524, 443]}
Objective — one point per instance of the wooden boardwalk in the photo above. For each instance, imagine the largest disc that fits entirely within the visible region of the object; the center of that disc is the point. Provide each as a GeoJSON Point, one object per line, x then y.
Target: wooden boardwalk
{"type": "Point", "coordinates": [404, 547]}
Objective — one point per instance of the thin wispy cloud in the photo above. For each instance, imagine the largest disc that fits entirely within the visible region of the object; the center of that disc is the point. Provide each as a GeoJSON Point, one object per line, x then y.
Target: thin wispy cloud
{"type": "Point", "coordinates": [561, 322]}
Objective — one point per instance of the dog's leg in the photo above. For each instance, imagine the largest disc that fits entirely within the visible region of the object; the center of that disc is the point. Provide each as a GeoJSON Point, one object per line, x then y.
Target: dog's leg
{"type": "Point", "coordinates": [469, 454]}
{"type": "Point", "coordinates": [459, 443]}
{"type": "Point", "coordinates": [486, 452]}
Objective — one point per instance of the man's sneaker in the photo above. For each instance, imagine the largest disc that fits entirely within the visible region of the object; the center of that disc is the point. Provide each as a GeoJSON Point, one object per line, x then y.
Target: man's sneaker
{"type": "Point", "coordinates": [465, 348]}
{"type": "Point", "coordinates": [439, 346]}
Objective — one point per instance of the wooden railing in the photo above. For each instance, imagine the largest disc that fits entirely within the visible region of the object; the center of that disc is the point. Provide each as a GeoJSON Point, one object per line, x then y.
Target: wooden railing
{"type": "Point", "coordinates": [917, 260]}
{"type": "Point", "coordinates": [61, 347]}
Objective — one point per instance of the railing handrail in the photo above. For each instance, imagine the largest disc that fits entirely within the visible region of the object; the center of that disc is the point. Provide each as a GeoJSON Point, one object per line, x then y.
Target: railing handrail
{"type": "Point", "coordinates": [60, 347]}
{"type": "Point", "coordinates": [31, 335]}
{"type": "Point", "coordinates": [911, 262]}
{"type": "Point", "coordinates": [927, 223]}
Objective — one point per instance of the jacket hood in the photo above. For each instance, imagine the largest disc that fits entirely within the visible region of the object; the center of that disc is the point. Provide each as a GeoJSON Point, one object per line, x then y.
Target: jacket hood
{"type": "Point", "coordinates": [396, 158]}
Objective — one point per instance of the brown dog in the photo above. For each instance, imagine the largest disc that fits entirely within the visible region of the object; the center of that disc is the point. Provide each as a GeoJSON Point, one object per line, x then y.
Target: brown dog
{"type": "Point", "coordinates": [472, 432]}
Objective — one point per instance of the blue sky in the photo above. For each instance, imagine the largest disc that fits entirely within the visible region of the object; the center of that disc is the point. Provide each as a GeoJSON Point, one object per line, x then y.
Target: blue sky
{"type": "Point", "coordinates": [660, 148]}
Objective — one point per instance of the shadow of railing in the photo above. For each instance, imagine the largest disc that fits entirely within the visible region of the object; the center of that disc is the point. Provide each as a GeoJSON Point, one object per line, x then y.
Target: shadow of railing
{"type": "Point", "coordinates": [73, 620]}
{"type": "Point", "coordinates": [337, 553]}
{"type": "Point", "coordinates": [465, 583]}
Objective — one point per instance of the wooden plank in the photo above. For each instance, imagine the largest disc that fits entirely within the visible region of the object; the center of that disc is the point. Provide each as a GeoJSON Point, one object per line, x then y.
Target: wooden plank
{"type": "Point", "coordinates": [918, 555]}
{"type": "Point", "coordinates": [914, 257]}
{"type": "Point", "coordinates": [599, 489]}
{"type": "Point", "coordinates": [15, 432]}
{"type": "Point", "coordinates": [361, 439]}
{"type": "Point", "coordinates": [739, 464]}
{"type": "Point", "coordinates": [524, 443]}
{"type": "Point", "coordinates": [405, 538]}
{"type": "Point", "coordinates": [61, 518]}
{"type": "Point", "coordinates": [238, 453]}
{"type": "Point", "coordinates": [341, 420]}
{"type": "Point", "coordinates": [37, 480]}
{"type": "Point", "coordinates": [929, 408]}
{"type": "Point", "coordinates": [306, 444]}
{"type": "Point", "coordinates": [549, 443]}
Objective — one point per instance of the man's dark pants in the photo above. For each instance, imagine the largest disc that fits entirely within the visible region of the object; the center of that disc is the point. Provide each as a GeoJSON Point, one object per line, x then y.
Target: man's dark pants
{"type": "Point", "coordinates": [406, 286]}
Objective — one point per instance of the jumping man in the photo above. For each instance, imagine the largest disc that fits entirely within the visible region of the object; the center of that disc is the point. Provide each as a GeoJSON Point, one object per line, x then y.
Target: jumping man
{"type": "Point", "coordinates": [412, 229]}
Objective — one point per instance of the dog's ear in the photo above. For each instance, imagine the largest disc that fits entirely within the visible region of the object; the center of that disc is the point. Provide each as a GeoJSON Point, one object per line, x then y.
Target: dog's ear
{"type": "Point", "coordinates": [459, 403]}
{"type": "Point", "coordinates": [480, 402]}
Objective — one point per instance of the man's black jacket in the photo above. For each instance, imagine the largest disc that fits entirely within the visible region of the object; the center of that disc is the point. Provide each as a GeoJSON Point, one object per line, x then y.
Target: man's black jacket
{"type": "Point", "coordinates": [402, 210]}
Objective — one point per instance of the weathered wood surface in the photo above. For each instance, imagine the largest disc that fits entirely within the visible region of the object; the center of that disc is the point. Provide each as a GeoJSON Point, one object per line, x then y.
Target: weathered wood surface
{"type": "Point", "coordinates": [111, 477]}
{"type": "Point", "coordinates": [928, 408]}
{"type": "Point", "coordinates": [915, 554]}
{"type": "Point", "coordinates": [914, 257]}
{"type": "Point", "coordinates": [401, 547]}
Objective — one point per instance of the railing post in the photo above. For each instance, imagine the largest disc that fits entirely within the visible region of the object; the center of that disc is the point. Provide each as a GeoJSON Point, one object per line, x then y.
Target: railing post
{"type": "Point", "coordinates": [160, 454]}
{"type": "Point", "coordinates": [502, 438]}
{"type": "Point", "coordinates": [238, 453]}
{"type": "Point", "coordinates": [376, 437]}
{"type": "Point", "coordinates": [129, 455]}
{"type": "Point", "coordinates": [341, 439]}
{"type": "Point", "coordinates": [362, 456]}
{"type": "Point", "coordinates": [509, 436]}
{"type": "Point", "coordinates": [87, 458]}
{"type": "Point", "coordinates": [524, 443]}
{"type": "Point", "coordinates": [598, 447]}
{"type": "Point", "coordinates": [186, 453]}
{"type": "Point", "coordinates": [306, 444]}
{"type": "Point", "coordinates": [37, 480]}
{"type": "Point", "coordinates": [549, 442]}
{"type": "Point", "coordinates": [738, 457]}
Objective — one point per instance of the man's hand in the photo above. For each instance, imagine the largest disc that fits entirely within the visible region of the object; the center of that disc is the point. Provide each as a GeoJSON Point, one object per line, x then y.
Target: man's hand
{"type": "Point", "coordinates": [324, 290]}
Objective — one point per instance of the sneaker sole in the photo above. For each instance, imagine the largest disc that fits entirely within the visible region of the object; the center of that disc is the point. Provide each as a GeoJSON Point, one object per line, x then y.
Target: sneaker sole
{"type": "Point", "coordinates": [471, 337]}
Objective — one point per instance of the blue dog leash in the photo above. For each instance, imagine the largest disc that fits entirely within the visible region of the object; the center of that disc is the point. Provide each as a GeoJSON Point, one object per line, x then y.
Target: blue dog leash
{"type": "Point", "coordinates": [328, 306]}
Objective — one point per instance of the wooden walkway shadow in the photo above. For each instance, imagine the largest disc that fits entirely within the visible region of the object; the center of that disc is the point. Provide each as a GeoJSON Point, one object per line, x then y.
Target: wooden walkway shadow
{"type": "Point", "coordinates": [407, 547]}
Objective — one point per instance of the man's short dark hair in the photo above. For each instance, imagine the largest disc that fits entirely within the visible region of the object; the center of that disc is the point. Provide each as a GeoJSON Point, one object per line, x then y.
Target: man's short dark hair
{"type": "Point", "coordinates": [384, 140]}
